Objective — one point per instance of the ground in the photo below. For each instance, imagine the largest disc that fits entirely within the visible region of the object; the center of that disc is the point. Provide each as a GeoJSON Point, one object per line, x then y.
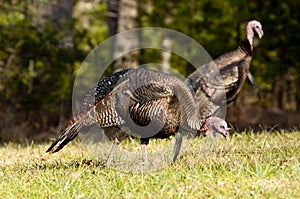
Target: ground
{"type": "Point", "coordinates": [263, 165]}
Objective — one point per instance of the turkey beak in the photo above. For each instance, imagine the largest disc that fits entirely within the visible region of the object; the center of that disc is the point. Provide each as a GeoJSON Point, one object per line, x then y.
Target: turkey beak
{"type": "Point", "coordinates": [260, 33]}
{"type": "Point", "coordinates": [226, 133]}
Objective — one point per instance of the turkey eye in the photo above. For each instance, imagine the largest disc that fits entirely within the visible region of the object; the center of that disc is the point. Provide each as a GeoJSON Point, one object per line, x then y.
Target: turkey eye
{"type": "Point", "coordinates": [257, 27]}
{"type": "Point", "coordinates": [222, 127]}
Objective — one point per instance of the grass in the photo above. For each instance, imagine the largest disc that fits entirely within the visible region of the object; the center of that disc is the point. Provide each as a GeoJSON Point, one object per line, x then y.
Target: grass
{"type": "Point", "coordinates": [264, 165]}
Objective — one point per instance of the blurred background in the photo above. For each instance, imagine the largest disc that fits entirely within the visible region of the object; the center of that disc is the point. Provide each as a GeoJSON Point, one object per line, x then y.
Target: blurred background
{"type": "Point", "coordinates": [44, 42]}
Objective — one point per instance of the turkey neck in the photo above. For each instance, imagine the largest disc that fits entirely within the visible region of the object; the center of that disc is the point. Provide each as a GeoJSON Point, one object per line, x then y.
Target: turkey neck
{"type": "Point", "coordinates": [250, 35]}
{"type": "Point", "coordinates": [235, 56]}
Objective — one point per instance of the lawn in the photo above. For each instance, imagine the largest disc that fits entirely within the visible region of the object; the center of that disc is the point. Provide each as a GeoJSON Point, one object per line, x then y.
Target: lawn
{"type": "Point", "coordinates": [264, 165]}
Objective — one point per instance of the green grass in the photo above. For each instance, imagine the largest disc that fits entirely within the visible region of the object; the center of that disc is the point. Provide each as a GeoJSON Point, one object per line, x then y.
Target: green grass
{"type": "Point", "coordinates": [264, 165]}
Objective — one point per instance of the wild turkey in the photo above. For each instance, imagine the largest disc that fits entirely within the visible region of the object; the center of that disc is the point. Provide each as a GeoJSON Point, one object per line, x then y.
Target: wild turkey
{"type": "Point", "coordinates": [132, 99]}
{"type": "Point", "coordinates": [228, 72]}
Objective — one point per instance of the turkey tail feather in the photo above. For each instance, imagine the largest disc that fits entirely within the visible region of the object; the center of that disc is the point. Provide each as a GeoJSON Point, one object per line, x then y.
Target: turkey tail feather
{"type": "Point", "coordinates": [65, 137]}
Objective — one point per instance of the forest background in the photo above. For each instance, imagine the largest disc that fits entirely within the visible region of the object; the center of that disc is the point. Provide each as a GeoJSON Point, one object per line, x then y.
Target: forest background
{"type": "Point", "coordinates": [43, 43]}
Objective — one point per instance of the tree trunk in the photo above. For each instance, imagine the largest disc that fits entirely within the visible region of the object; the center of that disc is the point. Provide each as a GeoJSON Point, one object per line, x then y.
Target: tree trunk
{"type": "Point", "coordinates": [166, 43]}
{"type": "Point", "coordinates": [113, 7]}
{"type": "Point", "coordinates": [278, 93]}
{"type": "Point", "coordinates": [166, 55]}
{"type": "Point", "coordinates": [128, 13]}
{"type": "Point", "coordinates": [298, 96]}
{"type": "Point", "coordinates": [113, 16]}
{"type": "Point", "coordinates": [58, 14]}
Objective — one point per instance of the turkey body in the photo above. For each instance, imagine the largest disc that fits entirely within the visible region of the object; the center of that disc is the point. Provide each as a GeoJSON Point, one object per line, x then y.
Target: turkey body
{"type": "Point", "coordinates": [226, 74]}
{"type": "Point", "coordinates": [137, 102]}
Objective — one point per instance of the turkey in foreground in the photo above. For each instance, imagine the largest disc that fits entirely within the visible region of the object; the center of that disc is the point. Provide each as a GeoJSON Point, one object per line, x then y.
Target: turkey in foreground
{"type": "Point", "coordinates": [143, 103]}
{"type": "Point", "coordinates": [227, 72]}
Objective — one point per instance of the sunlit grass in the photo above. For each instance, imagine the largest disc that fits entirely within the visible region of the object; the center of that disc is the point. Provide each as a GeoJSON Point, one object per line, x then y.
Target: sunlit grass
{"type": "Point", "coordinates": [249, 165]}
